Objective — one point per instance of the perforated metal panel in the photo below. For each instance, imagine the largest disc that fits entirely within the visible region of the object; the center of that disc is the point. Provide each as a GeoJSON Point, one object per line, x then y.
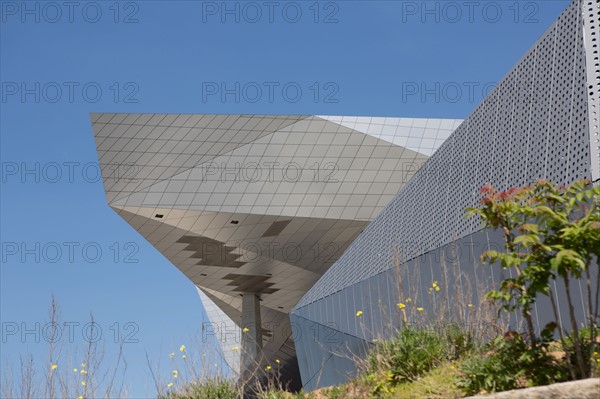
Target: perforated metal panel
{"type": "Point", "coordinates": [541, 121]}
{"type": "Point", "coordinates": [377, 298]}
{"type": "Point", "coordinates": [533, 125]}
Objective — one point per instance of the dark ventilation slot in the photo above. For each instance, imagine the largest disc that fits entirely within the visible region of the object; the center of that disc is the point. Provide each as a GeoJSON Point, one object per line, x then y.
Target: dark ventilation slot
{"type": "Point", "coordinates": [276, 228]}
{"type": "Point", "coordinates": [159, 216]}
{"type": "Point", "coordinates": [235, 221]}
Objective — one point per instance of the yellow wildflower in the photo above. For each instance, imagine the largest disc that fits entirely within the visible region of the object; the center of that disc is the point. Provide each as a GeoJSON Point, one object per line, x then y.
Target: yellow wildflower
{"type": "Point", "coordinates": [175, 373]}
{"type": "Point", "coordinates": [375, 340]}
{"type": "Point", "coordinates": [277, 361]}
{"type": "Point", "coordinates": [401, 306]}
{"type": "Point", "coordinates": [184, 357]}
{"type": "Point", "coordinates": [268, 368]}
{"type": "Point", "coordinates": [408, 299]}
{"type": "Point", "coordinates": [171, 355]}
{"type": "Point", "coordinates": [80, 397]}
{"type": "Point", "coordinates": [83, 383]}
{"type": "Point", "coordinates": [182, 348]}
{"type": "Point", "coordinates": [74, 370]}
{"type": "Point", "coordinates": [234, 348]}
{"type": "Point", "coordinates": [169, 385]}
{"type": "Point", "coordinates": [53, 366]}
{"type": "Point", "coordinates": [83, 372]}
{"type": "Point", "coordinates": [420, 309]}
{"type": "Point", "coordinates": [245, 330]}
{"type": "Point", "coordinates": [434, 284]}
{"type": "Point", "coordinates": [437, 288]}
{"type": "Point", "coordinates": [470, 305]}
{"type": "Point", "coordinates": [359, 313]}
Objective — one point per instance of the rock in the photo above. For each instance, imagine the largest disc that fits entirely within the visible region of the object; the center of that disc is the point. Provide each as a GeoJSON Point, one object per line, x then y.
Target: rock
{"type": "Point", "coordinates": [583, 389]}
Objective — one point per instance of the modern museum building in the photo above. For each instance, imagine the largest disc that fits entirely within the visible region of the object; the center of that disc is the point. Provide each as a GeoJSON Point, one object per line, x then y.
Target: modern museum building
{"type": "Point", "coordinates": [302, 233]}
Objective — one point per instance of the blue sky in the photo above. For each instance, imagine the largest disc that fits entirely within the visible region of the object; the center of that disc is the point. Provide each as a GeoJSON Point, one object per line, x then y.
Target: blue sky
{"type": "Point", "coordinates": [367, 58]}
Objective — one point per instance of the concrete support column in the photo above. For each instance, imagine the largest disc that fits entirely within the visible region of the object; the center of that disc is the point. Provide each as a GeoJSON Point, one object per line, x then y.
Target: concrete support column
{"type": "Point", "coordinates": [251, 335]}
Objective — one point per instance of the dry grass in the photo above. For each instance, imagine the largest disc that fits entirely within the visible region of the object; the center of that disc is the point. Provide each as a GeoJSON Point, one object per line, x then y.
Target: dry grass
{"type": "Point", "coordinates": [64, 374]}
{"type": "Point", "coordinates": [452, 297]}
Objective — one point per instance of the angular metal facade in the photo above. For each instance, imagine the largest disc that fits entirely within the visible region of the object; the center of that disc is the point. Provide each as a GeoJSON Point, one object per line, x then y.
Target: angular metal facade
{"type": "Point", "coordinates": [256, 203]}
{"type": "Point", "coordinates": [320, 216]}
{"type": "Point", "coordinates": [541, 121]}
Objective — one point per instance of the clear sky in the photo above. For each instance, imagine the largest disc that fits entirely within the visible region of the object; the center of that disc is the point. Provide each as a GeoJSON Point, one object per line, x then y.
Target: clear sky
{"type": "Point", "coordinates": [59, 62]}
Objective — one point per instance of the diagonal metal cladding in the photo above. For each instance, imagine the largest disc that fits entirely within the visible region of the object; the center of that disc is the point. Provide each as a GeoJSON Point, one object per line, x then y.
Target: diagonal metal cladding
{"type": "Point", "coordinates": [224, 329]}
{"type": "Point", "coordinates": [172, 138]}
{"type": "Point", "coordinates": [350, 165]}
{"type": "Point", "coordinates": [211, 252]}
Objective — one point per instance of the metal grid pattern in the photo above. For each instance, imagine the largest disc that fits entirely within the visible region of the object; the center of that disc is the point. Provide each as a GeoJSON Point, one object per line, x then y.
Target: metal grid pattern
{"type": "Point", "coordinates": [159, 146]}
{"type": "Point", "coordinates": [309, 168]}
{"type": "Point", "coordinates": [227, 332]}
{"type": "Point", "coordinates": [420, 135]}
{"type": "Point", "coordinates": [182, 182]}
{"type": "Point", "coordinates": [342, 335]}
{"type": "Point", "coordinates": [187, 210]}
{"type": "Point", "coordinates": [533, 125]}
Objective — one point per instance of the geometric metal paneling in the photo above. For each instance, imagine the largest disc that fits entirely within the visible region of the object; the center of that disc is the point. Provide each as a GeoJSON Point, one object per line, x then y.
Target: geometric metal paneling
{"type": "Point", "coordinates": [421, 135]}
{"type": "Point", "coordinates": [257, 203]}
{"type": "Point", "coordinates": [311, 167]}
{"type": "Point", "coordinates": [281, 205]}
{"type": "Point", "coordinates": [158, 146]}
{"type": "Point", "coordinates": [534, 124]}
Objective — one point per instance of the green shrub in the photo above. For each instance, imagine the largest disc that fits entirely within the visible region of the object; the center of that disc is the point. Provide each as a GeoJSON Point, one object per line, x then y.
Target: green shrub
{"type": "Point", "coordinates": [483, 373]}
{"type": "Point", "coordinates": [412, 353]}
{"type": "Point", "coordinates": [511, 362]}
{"type": "Point", "coordinates": [589, 349]}
{"type": "Point", "coordinates": [459, 341]}
{"type": "Point", "coordinates": [209, 389]}
{"type": "Point", "coordinates": [551, 233]}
